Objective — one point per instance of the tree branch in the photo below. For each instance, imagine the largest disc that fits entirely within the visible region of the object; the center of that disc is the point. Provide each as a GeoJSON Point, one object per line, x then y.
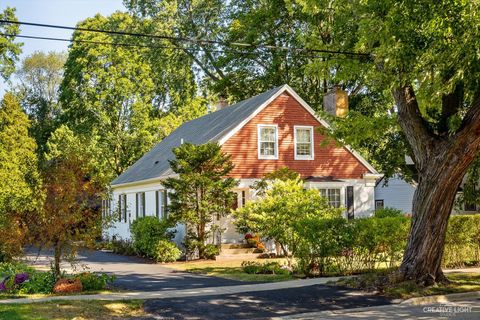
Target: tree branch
{"type": "Point", "coordinates": [420, 138]}
{"type": "Point", "coordinates": [451, 103]}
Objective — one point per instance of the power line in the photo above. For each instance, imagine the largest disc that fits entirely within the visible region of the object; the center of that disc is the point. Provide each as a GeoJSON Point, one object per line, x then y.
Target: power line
{"type": "Point", "coordinates": [133, 45]}
{"type": "Point", "coordinates": [191, 40]}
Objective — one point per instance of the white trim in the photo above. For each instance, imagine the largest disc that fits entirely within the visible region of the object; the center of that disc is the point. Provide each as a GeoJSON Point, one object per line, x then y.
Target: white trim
{"type": "Point", "coordinates": [302, 102]}
{"type": "Point", "coordinates": [267, 157]}
{"type": "Point", "coordinates": [312, 152]}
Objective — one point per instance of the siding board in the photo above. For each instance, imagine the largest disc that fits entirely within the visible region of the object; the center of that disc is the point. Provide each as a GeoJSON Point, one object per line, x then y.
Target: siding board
{"type": "Point", "coordinates": [286, 112]}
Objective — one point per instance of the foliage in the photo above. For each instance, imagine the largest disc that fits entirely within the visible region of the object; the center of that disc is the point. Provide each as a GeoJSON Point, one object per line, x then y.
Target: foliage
{"type": "Point", "coordinates": [211, 251]}
{"type": "Point", "coordinates": [344, 246]}
{"type": "Point", "coordinates": [274, 215]}
{"type": "Point", "coordinates": [166, 251]}
{"type": "Point", "coordinates": [282, 174]}
{"type": "Point", "coordinates": [9, 49]}
{"type": "Point", "coordinates": [70, 214]}
{"type": "Point", "coordinates": [91, 281]}
{"type": "Point", "coordinates": [39, 282]}
{"type": "Point", "coordinates": [124, 247]}
{"type": "Point", "coordinates": [125, 98]}
{"type": "Point", "coordinates": [202, 190]}
{"type": "Point", "coordinates": [39, 78]}
{"type": "Point", "coordinates": [274, 267]}
{"type": "Point", "coordinates": [388, 213]}
{"type": "Point", "coordinates": [19, 190]}
{"type": "Point", "coordinates": [146, 234]}
{"type": "Point", "coordinates": [462, 243]}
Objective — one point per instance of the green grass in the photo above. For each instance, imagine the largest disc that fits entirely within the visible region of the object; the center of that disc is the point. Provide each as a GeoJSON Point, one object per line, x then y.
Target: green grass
{"type": "Point", "coordinates": [60, 310]}
{"type": "Point", "coordinates": [230, 269]}
{"type": "Point", "coordinates": [459, 282]}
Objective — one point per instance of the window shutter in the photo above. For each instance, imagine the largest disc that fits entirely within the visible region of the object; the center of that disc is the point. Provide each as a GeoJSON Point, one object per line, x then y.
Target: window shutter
{"type": "Point", "coordinates": [157, 205]}
{"type": "Point", "coordinates": [136, 206]}
{"type": "Point", "coordinates": [119, 208]}
{"type": "Point", "coordinates": [349, 202]}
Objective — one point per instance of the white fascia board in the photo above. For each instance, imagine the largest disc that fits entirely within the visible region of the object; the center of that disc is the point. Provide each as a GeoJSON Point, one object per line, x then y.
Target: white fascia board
{"type": "Point", "coordinates": [141, 182]}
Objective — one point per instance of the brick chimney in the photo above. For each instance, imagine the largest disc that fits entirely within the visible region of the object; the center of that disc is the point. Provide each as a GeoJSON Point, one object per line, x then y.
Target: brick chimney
{"type": "Point", "coordinates": [221, 103]}
{"type": "Point", "coordinates": [335, 102]}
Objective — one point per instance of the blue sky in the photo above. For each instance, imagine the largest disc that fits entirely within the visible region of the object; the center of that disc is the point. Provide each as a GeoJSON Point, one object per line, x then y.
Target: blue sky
{"type": "Point", "coordinates": [59, 12]}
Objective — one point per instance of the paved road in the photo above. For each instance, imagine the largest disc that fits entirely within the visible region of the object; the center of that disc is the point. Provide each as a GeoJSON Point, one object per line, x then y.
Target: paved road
{"type": "Point", "coordinates": [137, 274]}
{"type": "Point", "coordinates": [262, 305]}
{"type": "Point", "coordinates": [459, 310]}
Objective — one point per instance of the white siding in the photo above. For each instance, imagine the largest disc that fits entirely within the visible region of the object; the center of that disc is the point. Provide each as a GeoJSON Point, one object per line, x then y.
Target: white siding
{"type": "Point", "coordinates": [396, 194]}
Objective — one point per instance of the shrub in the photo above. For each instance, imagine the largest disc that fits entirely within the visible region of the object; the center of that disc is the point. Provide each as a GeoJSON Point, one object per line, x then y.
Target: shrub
{"type": "Point", "coordinates": [462, 242]}
{"type": "Point", "coordinates": [91, 281]}
{"type": "Point", "coordinates": [39, 282]}
{"type": "Point", "coordinates": [166, 251]}
{"type": "Point", "coordinates": [251, 267]}
{"type": "Point", "coordinates": [211, 251]}
{"type": "Point", "coordinates": [147, 232]}
{"type": "Point", "coordinates": [123, 247]}
{"type": "Point", "coordinates": [388, 213]}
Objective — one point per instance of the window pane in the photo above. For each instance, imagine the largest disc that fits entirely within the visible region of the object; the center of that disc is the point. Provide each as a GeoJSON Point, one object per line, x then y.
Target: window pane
{"type": "Point", "coordinates": [267, 148]}
{"type": "Point", "coordinates": [304, 149]}
{"type": "Point", "coordinates": [303, 135]}
{"type": "Point", "coordinates": [267, 134]}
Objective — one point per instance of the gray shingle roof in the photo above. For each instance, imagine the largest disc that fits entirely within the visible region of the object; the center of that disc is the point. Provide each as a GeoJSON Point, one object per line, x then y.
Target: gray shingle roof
{"type": "Point", "coordinates": [209, 128]}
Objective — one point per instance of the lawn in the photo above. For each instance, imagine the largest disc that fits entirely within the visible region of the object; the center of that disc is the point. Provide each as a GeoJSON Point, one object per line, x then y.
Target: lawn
{"type": "Point", "coordinates": [229, 269]}
{"type": "Point", "coordinates": [459, 282]}
{"type": "Point", "coordinates": [59, 310]}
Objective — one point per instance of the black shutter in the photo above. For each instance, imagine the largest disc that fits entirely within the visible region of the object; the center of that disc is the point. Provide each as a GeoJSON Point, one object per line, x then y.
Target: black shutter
{"type": "Point", "coordinates": [157, 207]}
{"type": "Point", "coordinates": [349, 203]}
{"type": "Point", "coordinates": [120, 208]}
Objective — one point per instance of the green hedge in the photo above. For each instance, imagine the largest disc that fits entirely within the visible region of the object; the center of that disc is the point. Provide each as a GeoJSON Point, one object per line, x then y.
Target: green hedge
{"type": "Point", "coordinates": [151, 238]}
{"type": "Point", "coordinates": [462, 242]}
{"type": "Point", "coordinates": [340, 246]}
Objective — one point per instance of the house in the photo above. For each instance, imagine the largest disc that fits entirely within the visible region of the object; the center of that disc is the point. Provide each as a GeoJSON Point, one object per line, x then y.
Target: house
{"type": "Point", "coordinates": [398, 193]}
{"type": "Point", "coordinates": [272, 130]}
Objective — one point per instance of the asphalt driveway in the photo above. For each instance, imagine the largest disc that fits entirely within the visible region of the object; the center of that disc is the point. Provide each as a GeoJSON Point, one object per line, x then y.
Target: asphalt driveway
{"type": "Point", "coordinates": [264, 304]}
{"type": "Point", "coordinates": [136, 274]}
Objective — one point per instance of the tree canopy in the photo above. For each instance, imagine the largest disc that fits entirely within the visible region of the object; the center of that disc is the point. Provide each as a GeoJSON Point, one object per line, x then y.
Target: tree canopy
{"type": "Point", "coordinates": [9, 49]}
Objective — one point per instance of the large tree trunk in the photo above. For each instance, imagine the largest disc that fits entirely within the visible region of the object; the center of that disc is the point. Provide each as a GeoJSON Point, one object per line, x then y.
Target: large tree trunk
{"type": "Point", "coordinates": [441, 161]}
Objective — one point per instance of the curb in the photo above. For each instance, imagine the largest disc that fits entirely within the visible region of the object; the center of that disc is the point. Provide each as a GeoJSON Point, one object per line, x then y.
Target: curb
{"type": "Point", "coordinates": [444, 298]}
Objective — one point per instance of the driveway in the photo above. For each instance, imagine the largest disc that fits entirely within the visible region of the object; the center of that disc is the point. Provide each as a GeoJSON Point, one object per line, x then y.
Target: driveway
{"type": "Point", "coordinates": [133, 273]}
{"type": "Point", "coordinates": [264, 304]}
{"type": "Point", "coordinates": [136, 274]}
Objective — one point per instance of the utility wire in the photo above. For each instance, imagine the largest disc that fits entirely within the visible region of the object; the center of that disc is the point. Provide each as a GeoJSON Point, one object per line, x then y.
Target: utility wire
{"type": "Point", "coordinates": [133, 45]}
{"type": "Point", "coordinates": [191, 40]}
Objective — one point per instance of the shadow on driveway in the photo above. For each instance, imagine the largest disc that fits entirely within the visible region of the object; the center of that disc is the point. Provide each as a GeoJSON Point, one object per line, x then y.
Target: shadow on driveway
{"type": "Point", "coordinates": [134, 273]}
{"type": "Point", "coordinates": [263, 305]}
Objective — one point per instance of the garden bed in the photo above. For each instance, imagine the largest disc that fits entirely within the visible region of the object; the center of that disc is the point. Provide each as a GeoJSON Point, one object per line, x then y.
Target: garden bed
{"type": "Point", "coordinates": [230, 269]}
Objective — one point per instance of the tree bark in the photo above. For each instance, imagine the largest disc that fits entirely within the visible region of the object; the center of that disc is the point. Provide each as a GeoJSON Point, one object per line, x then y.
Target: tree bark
{"type": "Point", "coordinates": [57, 259]}
{"type": "Point", "coordinates": [441, 163]}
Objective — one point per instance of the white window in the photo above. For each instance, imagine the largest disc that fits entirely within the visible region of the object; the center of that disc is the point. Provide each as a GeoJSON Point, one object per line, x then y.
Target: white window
{"type": "Point", "coordinates": [333, 196]}
{"type": "Point", "coordinates": [267, 141]}
{"type": "Point", "coordinates": [303, 142]}
{"type": "Point", "coordinates": [140, 204]}
{"type": "Point", "coordinates": [162, 201]}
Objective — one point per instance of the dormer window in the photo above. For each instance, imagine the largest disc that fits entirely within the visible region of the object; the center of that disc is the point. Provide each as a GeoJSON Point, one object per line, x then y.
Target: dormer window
{"type": "Point", "coordinates": [267, 141]}
{"type": "Point", "coordinates": [303, 142]}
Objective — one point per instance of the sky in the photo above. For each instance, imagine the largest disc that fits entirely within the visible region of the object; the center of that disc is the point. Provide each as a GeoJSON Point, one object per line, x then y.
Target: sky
{"type": "Point", "coordinates": [59, 12]}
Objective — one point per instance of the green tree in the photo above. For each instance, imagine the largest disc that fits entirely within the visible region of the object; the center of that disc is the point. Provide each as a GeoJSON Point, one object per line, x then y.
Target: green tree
{"type": "Point", "coordinates": [70, 215]}
{"type": "Point", "coordinates": [40, 76]}
{"type": "Point", "coordinates": [275, 214]}
{"type": "Point", "coordinates": [19, 190]}
{"type": "Point", "coordinates": [202, 191]}
{"type": "Point", "coordinates": [121, 96]}
{"type": "Point", "coordinates": [424, 54]}
{"type": "Point", "coordinates": [9, 49]}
